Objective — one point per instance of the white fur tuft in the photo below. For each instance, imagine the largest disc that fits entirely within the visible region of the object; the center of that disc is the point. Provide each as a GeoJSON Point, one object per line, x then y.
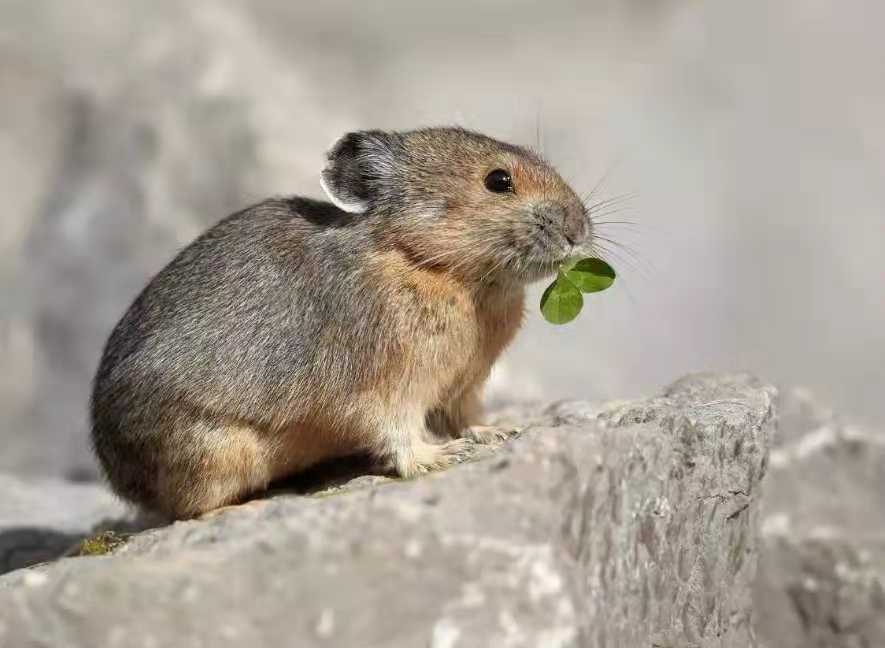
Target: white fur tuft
{"type": "Point", "coordinates": [355, 207]}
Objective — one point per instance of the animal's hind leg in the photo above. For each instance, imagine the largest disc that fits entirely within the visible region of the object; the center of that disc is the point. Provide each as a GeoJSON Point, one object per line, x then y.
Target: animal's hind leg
{"type": "Point", "coordinates": [206, 467]}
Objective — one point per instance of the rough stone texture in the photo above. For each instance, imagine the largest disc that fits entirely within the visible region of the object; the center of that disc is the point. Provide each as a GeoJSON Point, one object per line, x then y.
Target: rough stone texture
{"type": "Point", "coordinates": [625, 525]}
{"type": "Point", "coordinates": [42, 518]}
{"type": "Point", "coordinates": [821, 580]}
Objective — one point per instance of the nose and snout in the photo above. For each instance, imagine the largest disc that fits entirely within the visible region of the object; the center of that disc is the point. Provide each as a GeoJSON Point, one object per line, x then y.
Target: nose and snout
{"type": "Point", "coordinates": [570, 220]}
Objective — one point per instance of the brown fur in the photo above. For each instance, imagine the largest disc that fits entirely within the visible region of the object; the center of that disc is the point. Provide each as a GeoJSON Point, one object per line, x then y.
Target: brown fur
{"type": "Point", "coordinates": [294, 333]}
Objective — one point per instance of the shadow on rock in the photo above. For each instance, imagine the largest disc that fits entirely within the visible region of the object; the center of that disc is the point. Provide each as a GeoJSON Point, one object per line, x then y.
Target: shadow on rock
{"type": "Point", "coordinates": [27, 546]}
{"type": "Point", "coordinates": [344, 473]}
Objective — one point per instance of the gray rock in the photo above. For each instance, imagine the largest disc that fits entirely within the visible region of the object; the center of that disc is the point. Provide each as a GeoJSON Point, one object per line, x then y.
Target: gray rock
{"type": "Point", "coordinates": [204, 118]}
{"type": "Point", "coordinates": [633, 528]}
{"type": "Point", "coordinates": [821, 580]}
{"type": "Point", "coordinates": [41, 519]}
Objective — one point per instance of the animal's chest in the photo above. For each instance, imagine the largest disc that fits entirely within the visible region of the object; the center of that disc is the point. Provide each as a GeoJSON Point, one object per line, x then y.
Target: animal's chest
{"type": "Point", "coordinates": [468, 343]}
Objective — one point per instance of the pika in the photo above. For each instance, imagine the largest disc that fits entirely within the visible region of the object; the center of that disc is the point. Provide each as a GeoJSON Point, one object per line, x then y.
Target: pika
{"type": "Point", "coordinates": [298, 331]}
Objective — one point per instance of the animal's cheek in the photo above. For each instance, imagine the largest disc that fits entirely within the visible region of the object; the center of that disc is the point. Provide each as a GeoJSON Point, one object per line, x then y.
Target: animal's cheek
{"type": "Point", "coordinates": [438, 208]}
{"type": "Point", "coordinates": [514, 240]}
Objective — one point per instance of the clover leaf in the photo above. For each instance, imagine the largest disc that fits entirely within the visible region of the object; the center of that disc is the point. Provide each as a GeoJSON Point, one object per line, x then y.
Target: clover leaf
{"type": "Point", "coordinates": [562, 300]}
{"type": "Point", "coordinates": [591, 275]}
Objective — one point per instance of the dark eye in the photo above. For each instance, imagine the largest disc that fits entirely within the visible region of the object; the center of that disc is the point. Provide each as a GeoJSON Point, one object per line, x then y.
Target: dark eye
{"type": "Point", "coordinates": [499, 181]}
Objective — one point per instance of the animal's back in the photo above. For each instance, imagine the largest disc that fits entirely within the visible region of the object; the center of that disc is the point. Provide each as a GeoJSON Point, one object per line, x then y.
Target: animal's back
{"type": "Point", "coordinates": [230, 331]}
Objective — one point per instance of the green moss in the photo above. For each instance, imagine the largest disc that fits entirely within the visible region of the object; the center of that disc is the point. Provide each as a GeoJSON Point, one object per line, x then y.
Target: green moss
{"type": "Point", "coordinates": [329, 492]}
{"type": "Point", "coordinates": [101, 544]}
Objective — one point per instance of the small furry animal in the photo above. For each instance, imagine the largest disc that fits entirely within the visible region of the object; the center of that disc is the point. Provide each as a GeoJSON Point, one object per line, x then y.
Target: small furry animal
{"type": "Point", "coordinates": [298, 331]}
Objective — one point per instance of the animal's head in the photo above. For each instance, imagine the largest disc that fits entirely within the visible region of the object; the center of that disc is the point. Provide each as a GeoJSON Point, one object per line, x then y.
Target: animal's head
{"type": "Point", "coordinates": [459, 200]}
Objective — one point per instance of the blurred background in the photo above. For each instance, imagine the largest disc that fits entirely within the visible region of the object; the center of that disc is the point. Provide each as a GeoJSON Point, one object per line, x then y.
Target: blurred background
{"type": "Point", "coordinates": [744, 141]}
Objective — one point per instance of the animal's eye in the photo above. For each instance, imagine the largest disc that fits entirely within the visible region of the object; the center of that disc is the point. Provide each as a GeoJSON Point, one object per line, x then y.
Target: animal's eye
{"type": "Point", "coordinates": [499, 181]}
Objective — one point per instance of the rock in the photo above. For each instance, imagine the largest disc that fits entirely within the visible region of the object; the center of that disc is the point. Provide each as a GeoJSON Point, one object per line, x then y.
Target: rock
{"type": "Point", "coordinates": [624, 526]}
{"type": "Point", "coordinates": [205, 117]}
{"type": "Point", "coordinates": [821, 581]}
{"type": "Point", "coordinates": [41, 519]}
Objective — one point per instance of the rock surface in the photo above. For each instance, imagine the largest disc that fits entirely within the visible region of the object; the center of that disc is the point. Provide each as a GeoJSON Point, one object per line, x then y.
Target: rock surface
{"type": "Point", "coordinates": [821, 581]}
{"type": "Point", "coordinates": [631, 524]}
{"type": "Point", "coordinates": [42, 518]}
{"type": "Point", "coordinates": [140, 159]}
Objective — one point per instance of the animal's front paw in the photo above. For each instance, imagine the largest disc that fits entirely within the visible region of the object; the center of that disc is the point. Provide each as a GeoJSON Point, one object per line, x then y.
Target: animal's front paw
{"type": "Point", "coordinates": [489, 434]}
{"type": "Point", "coordinates": [429, 457]}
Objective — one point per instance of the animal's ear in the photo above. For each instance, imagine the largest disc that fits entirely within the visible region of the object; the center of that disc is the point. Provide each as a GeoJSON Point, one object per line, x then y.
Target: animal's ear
{"type": "Point", "coordinates": [359, 167]}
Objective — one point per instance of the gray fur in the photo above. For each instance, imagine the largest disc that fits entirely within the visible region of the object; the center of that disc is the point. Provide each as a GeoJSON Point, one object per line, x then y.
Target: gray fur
{"type": "Point", "coordinates": [232, 328]}
{"type": "Point", "coordinates": [268, 317]}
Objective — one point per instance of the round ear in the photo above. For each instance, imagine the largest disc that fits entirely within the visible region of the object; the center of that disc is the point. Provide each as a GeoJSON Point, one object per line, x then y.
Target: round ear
{"type": "Point", "coordinates": [357, 169]}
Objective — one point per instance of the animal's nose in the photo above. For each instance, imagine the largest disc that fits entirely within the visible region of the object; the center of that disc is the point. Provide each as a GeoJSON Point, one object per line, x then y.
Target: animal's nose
{"type": "Point", "coordinates": [574, 225]}
{"type": "Point", "coordinates": [571, 220]}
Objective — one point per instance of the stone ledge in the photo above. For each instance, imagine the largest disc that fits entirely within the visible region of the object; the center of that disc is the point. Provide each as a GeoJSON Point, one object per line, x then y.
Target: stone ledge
{"type": "Point", "coordinates": [629, 524]}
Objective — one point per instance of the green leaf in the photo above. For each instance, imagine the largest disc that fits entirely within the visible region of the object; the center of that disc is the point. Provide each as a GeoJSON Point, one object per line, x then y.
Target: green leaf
{"type": "Point", "coordinates": [591, 275]}
{"type": "Point", "coordinates": [562, 301]}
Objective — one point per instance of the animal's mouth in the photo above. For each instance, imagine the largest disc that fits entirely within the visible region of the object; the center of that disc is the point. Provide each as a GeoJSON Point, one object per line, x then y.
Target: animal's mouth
{"type": "Point", "coordinates": [549, 266]}
{"type": "Point", "coordinates": [536, 268]}
{"type": "Point", "coordinates": [542, 259]}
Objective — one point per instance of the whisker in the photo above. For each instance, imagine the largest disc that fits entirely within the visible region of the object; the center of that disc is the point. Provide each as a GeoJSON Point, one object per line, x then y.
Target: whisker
{"type": "Point", "coordinates": [608, 255]}
{"type": "Point", "coordinates": [618, 244]}
{"type": "Point", "coordinates": [614, 200]}
{"type": "Point", "coordinates": [627, 249]}
{"type": "Point", "coordinates": [629, 260]}
{"type": "Point", "coordinates": [608, 210]}
{"type": "Point", "coordinates": [539, 140]}
{"type": "Point", "coordinates": [633, 223]}
{"type": "Point", "coordinates": [609, 170]}
{"type": "Point", "coordinates": [500, 264]}
{"type": "Point", "coordinates": [613, 257]}
{"type": "Point", "coordinates": [620, 228]}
